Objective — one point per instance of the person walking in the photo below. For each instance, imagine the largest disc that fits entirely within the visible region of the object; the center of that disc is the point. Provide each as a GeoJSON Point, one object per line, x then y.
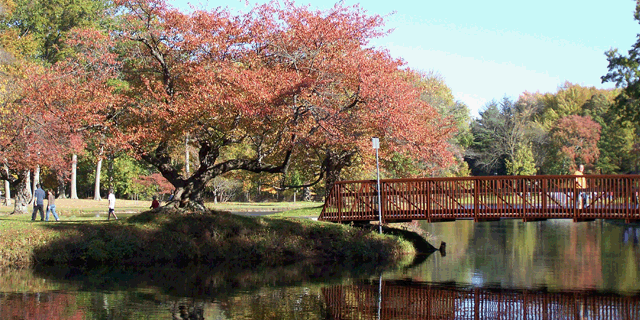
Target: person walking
{"type": "Point", "coordinates": [38, 203]}
{"type": "Point", "coordinates": [51, 206]}
{"type": "Point", "coordinates": [112, 204]}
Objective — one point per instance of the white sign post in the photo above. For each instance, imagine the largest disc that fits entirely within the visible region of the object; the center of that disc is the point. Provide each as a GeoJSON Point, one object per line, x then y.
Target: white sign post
{"type": "Point", "coordinates": [376, 145]}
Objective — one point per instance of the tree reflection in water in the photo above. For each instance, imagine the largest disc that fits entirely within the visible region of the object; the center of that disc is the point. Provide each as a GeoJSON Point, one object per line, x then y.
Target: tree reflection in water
{"type": "Point", "coordinates": [320, 292]}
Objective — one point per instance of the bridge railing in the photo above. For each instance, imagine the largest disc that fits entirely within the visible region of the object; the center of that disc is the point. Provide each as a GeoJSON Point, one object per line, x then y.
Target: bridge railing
{"type": "Point", "coordinates": [486, 198]}
{"type": "Point", "coordinates": [406, 300]}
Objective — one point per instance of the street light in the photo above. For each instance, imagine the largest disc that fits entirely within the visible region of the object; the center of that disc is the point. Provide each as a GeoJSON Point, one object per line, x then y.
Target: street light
{"type": "Point", "coordinates": [376, 145]}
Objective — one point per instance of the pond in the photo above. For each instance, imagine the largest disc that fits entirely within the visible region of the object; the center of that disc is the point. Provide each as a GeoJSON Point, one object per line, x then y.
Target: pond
{"type": "Point", "coordinates": [491, 270]}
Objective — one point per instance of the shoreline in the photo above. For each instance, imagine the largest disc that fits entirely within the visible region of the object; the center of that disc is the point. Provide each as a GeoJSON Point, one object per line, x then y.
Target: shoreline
{"type": "Point", "coordinates": [212, 238]}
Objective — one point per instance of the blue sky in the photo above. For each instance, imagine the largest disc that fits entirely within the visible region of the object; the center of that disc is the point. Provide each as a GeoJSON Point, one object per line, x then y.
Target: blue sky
{"type": "Point", "coordinates": [490, 49]}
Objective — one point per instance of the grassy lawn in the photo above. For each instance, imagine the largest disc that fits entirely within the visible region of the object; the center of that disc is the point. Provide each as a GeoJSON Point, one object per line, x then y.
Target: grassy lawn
{"type": "Point", "coordinates": [85, 209]}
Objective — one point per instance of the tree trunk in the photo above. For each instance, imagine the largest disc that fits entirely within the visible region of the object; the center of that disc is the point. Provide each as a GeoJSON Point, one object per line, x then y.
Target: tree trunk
{"type": "Point", "coordinates": [332, 177]}
{"type": "Point", "coordinates": [74, 176]}
{"type": "Point", "coordinates": [334, 163]}
{"type": "Point", "coordinates": [23, 194]}
{"type": "Point", "coordinates": [7, 188]}
{"type": "Point", "coordinates": [36, 180]}
{"type": "Point", "coordinates": [189, 194]}
{"type": "Point", "coordinates": [7, 193]}
{"type": "Point", "coordinates": [96, 190]}
{"type": "Point", "coordinates": [186, 157]}
{"type": "Point", "coordinates": [306, 194]}
{"type": "Point", "coordinates": [28, 185]}
{"type": "Point", "coordinates": [62, 190]}
{"type": "Point", "coordinates": [110, 172]}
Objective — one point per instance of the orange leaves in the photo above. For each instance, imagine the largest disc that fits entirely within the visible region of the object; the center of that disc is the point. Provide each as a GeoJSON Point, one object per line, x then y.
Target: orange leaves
{"type": "Point", "coordinates": [576, 137]}
{"type": "Point", "coordinates": [277, 80]}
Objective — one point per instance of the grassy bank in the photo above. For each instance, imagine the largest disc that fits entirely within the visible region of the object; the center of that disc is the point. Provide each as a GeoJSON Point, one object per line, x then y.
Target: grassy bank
{"type": "Point", "coordinates": [151, 238]}
{"type": "Point", "coordinates": [84, 208]}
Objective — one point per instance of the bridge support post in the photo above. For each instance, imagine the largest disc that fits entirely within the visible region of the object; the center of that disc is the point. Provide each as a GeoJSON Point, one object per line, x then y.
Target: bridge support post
{"type": "Point", "coordinates": [476, 200]}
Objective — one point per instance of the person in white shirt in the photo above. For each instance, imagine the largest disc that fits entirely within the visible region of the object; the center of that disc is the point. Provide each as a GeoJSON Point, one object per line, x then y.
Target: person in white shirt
{"type": "Point", "coordinates": [112, 204]}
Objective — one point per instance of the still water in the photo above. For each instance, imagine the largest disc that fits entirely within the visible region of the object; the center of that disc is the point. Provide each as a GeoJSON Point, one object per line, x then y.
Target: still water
{"type": "Point", "coordinates": [491, 270]}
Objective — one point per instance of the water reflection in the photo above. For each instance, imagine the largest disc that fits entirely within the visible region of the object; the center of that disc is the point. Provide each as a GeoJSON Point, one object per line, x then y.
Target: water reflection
{"type": "Point", "coordinates": [491, 270]}
{"type": "Point", "coordinates": [414, 300]}
{"type": "Point", "coordinates": [554, 254]}
{"type": "Point", "coordinates": [631, 235]}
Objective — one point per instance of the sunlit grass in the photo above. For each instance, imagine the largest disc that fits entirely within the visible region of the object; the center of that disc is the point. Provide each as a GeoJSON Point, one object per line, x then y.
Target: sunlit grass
{"type": "Point", "coordinates": [86, 207]}
{"type": "Point", "coordinates": [310, 212]}
{"type": "Point", "coordinates": [263, 206]}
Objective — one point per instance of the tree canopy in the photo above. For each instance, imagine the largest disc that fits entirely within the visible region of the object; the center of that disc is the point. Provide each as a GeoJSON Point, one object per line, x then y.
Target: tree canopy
{"type": "Point", "coordinates": [625, 73]}
{"type": "Point", "coordinates": [276, 88]}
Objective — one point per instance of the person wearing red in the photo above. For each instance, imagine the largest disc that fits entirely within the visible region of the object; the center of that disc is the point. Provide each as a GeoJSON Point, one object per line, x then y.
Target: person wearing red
{"type": "Point", "coordinates": [155, 203]}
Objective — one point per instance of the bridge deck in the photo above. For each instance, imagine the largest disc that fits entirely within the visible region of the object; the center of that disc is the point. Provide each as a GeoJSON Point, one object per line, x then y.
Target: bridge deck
{"type": "Point", "coordinates": [529, 198]}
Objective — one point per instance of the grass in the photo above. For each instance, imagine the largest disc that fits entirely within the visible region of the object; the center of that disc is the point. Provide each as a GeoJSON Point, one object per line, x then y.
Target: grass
{"type": "Point", "coordinates": [307, 212]}
{"type": "Point", "coordinates": [85, 238]}
{"type": "Point", "coordinates": [276, 207]}
{"type": "Point", "coordinates": [86, 208]}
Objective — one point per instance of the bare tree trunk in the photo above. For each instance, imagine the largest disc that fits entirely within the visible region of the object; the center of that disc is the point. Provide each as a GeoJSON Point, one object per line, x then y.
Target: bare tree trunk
{"type": "Point", "coordinates": [36, 180]}
{"type": "Point", "coordinates": [186, 156]}
{"type": "Point", "coordinates": [7, 188]}
{"type": "Point", "coordinates": [110, 172]}
{"type": "Point", "coordinates": [23, 194]}
{"type": "Point", "coordinates": [7, 193]}
{"type": "Point", "coordinates": [28, 186]}
{"type": "Point", "coordinates": [74, 176]}
{"type": "Point", "coordinates": [62, 190]}
{"type": "Point", "coordinates": [96, 190]}
{"type": "Point", "coordinates": [334, 163]}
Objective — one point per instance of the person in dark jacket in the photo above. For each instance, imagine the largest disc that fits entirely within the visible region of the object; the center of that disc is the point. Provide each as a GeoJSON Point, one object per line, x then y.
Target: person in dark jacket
{"type": "Point", "coordinates": [38, 203]}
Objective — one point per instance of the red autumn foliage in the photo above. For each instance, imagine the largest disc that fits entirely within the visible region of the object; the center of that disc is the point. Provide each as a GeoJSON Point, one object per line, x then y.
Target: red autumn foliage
{"type": "Point", "coordinates": [263, 91]}
{"type": "Point", "coordinates": [576, 137]}
{"type": "Point", "coordinates": [156, 179]}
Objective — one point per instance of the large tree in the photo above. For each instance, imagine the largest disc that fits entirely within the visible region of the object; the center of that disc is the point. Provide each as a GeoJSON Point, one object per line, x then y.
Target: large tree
{"type": "Point", "coordinates": [279, 87]}
{"type": "Point", "coordinates": [34, 133]}
{"type": "Point", "coordinates": [574, 141]}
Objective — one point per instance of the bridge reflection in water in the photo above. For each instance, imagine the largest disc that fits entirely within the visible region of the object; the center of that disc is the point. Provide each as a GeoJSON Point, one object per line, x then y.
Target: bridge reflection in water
{"type": "Point", "coordinates": [410, 300]}
{"type": "Point", "coordinates": [529, 198]}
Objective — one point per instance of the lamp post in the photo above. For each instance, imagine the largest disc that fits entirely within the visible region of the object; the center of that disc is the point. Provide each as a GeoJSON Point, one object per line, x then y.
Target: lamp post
{"type": "Point", "coordinates": [376, 145]}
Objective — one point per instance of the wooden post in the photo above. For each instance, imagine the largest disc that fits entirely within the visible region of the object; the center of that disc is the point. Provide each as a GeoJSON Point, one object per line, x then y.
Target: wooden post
{"type": "Point", "coordinates": [545, 192]}
{"type": "Point", "coordinates": [428, 184]}
{"type": "Point", "coordinates": [476, 202]}
{"type": "Point", "coordinates": [576, 197]}
{"type": "Point", "coordinates": [338, 191]}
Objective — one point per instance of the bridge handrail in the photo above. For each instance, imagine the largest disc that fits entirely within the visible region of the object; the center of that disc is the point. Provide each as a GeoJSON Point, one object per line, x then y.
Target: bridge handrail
{"type": "Point", "coordinates": [486, 197]}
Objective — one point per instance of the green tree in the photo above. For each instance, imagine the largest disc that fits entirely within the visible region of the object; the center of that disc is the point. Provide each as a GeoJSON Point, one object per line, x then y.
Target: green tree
{"type": "Point", "coordinates": [522, 163]}
{"type": "Point", "coordinates": [498, 135]}
{"type": "Point", "coordinates": [438, 94]}
{"type": "Point", "coordinates": [570, 99]}
{"type": "Point", "coordinates": [36, 29]}
{"type": "Point", "coordinates": [625, 73]}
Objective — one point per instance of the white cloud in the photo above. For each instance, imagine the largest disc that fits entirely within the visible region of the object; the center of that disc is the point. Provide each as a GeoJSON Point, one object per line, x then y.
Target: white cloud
{"type": "Point", "coordinates": [473, 101]}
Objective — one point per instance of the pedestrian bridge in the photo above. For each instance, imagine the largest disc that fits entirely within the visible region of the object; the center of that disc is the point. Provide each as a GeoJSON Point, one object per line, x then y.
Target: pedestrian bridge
{"type": "Point", "coordinates": [529, 198]}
